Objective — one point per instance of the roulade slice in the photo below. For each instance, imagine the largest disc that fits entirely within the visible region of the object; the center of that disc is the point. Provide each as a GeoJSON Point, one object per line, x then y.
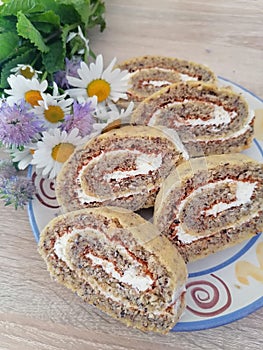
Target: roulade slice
{"type": "Point", "coordinates": [122, 167]}
{"type": "Point", "coordinates": [208, 119]}
{"type": "Point", "coordinates": [150, 73]}
{"type": "Point", "coordinates": [208, 204]}
{"type": "Point", "coordinates": [114, 259]}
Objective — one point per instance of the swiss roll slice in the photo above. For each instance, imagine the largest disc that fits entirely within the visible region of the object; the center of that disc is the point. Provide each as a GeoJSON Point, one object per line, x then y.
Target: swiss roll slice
{"type": "Point", "coordinates": [116, 260]}
{"type": "Point", "coordinates": [122, 167]}
{"type": "Point", "coordinates": [208, 204]}
{"type": "Point", "coordinates": [149, 74]}
{"type": "Point", "coordinates": [208, 119]}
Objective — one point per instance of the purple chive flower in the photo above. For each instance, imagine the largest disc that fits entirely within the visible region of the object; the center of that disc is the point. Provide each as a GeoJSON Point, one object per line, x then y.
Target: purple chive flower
{"type": "Point", "coordinates": [18, 126]}
{"type": "Point", "coordinates": [17, 190]}
{"type": "Point", "coordinates": [82, 118]}
{"type": "Point", "coordinates": [71, 69]}
{"type": "Point", "coordinates": [7, 170]}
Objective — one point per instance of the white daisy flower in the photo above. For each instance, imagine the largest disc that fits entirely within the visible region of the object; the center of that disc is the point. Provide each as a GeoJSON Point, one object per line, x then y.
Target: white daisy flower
{"type": "Point", "coordinates": [53, 108]}
{"type": "Point", "coordinates": [24, 157]}
{"type": "Point", "coordinates": [113, 113]}
{"type": "Point", "coordinates": [72, 35]}
{"type": "Point", "coordinates": [28, 89]}
{"type": "Point", "coordinates": [85, 40]}
{"type": "Point", "coordinates": [26, 70]}
{"type": "Point", "coordinates": [109, 116]}
{"type": "Point", "coordinates": [110, 84]}
{"type": "Point", "coordinates": [54, 149]}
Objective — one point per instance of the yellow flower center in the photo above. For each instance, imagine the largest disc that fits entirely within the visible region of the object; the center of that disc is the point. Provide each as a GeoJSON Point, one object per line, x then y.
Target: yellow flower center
{"type": "Point", "coordinates": [32, 97]}
{"type": "Point", "coordinates": [62, 152]}
{"type": "Point", "coordinates": [27, 72]}
{"type": "Point", "coordinates": [100, 88]}
{"type": "Point", "coordinates": [31, 151]}
{"type": "Point", "coordinates": [54, 114]}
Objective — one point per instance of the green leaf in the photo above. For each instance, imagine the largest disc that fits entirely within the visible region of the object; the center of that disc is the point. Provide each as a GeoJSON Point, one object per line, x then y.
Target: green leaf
{"type": "Point", "coordinates": [9, 41]}
{"type": "Point", "coordinates": [23, 55]}
{"type": "Point", "coordinates": [27, 30]}
{"type": "Point", "coordinates": [81, 6]}
{"type": "Point", "coordinates": [96, 16]}
{"type": "Point", "coordinates": [47, 17]}
{"type": "Point", "coordinates": [13, 7]}
{"type": "Point", "coordinates": [65, 32]}
{"type": "Point", "coordinates": [7, 25]}
{"type": "Point", "coordinates": [54, 60]}
{"type": "Point", "coordinates": [45, 28]}
{"type": "Point", "coordinates": [68, 15]}
{"type": "Point", "coordinates": [46, 23]}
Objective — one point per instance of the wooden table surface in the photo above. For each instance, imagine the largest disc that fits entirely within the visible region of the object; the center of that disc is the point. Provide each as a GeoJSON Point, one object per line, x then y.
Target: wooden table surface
{"type": "Point", "coordinates": [36, 313]}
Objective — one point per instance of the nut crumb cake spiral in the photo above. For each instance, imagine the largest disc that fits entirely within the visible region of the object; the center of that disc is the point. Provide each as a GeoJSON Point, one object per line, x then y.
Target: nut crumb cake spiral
{"type": "Point", "coordinates": [149, 74]}
{"type": "Point", "coordinates": [208, 119]}
{"type": "Point", "coordinates": [123, 167]}
{"type": "Point", "coordinates": [114, 259]}
{"type": "Point", "coordinates": [208, 204]}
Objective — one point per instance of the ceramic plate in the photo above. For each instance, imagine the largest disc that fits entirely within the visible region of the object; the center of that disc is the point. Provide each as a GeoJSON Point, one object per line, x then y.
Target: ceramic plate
{"type": "Point", "coordinates": [216, 295]}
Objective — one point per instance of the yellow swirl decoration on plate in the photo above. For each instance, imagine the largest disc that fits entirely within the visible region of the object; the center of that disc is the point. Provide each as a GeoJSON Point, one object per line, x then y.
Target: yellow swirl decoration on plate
{"type": "Point", "coordinates": [259, 124]}
{"type": "Point", "coordinates": [245, 269]}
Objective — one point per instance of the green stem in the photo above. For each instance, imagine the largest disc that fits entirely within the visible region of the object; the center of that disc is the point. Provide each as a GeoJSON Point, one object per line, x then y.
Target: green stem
{"type": "Point", "coordinates": [52, 36]}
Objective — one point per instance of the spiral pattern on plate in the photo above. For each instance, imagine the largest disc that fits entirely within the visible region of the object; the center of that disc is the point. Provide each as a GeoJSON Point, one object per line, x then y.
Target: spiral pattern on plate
{"type": "Point", "coordinates": [208, 298]}
{"type": "Point", "coordinates": [45, 191]}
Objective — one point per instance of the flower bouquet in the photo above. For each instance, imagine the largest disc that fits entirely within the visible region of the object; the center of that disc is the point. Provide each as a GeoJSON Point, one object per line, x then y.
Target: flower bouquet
{"type": "Point", "coordinates": [55, 92]}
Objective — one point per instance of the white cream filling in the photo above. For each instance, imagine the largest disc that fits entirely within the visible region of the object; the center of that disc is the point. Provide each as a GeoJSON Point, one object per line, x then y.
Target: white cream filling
{"type": "Point", "coordinates": [61, 243]}
{"type": "Point", "coordinates": [245, 128]}
{"type": "Point", "coordinates": [186, 77]}
{"type": "Point", "coordinates": [85, 198]}
{"type": "Point", "coordinates": [130, 276]}
{"type": "Point", "coordinates": [159, 83]}
{"type": "Point", "coordinates": [144, 163]}
{"type": "Point", "coordinates": [218, 117]}
{"type": "Point", "coordinates": [244, 191]}
{"type": "Point", "coordinates": [156, 83]}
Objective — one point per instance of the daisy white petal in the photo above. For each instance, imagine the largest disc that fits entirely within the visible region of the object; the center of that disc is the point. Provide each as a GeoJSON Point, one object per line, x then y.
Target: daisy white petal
{"type": "Point", "coordinates": [25, 70]}
{"type": "Point", "coordinates": [24, 157]}
{"type": "Point", "coordinates": [81, 35]}
{"type": "Point", "coordinates": [53, 109]}
{"type": "Point", "coordinates": [83, 71]}
{"type": "Point", "coordinates": [71, 36]}
{"type": "Point", "coordinates": [54, 149]}
{"type": "Point", "coordinates": [108, 85]}
{"type": "Point", "coordinates": [108, 70]}
{"type": "Point", "coordinates": [28, 89]}
{"type": "Point", "coordinates": [106, 116]}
